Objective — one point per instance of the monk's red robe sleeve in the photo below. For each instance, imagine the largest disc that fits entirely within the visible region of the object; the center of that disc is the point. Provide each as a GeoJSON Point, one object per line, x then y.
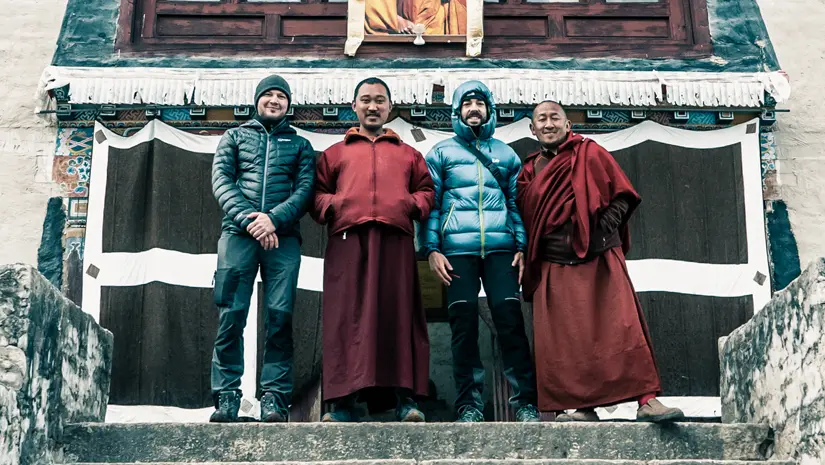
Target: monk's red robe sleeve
{"type": "Point", "coordinates": [421, 186]}
{"type": "Point", "coordinates": [323, 206]}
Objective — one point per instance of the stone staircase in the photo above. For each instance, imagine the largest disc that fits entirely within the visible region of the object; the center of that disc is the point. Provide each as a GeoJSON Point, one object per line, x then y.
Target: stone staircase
{"type": "Point", "coordinates": [607, 443]}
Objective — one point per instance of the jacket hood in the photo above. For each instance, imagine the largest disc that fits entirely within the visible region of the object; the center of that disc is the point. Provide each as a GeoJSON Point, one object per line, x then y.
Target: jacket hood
{"type": "Point", "coordinates": [354, 133]}
{"type": "Point", "coordinates": [461, 129]}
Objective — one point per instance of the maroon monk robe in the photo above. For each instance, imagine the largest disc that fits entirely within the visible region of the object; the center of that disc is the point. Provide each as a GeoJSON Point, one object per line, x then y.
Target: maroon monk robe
{"type": "Point", "coordinates": [374, 325]}
{"type": "Point", "coordinates": [591, 340]}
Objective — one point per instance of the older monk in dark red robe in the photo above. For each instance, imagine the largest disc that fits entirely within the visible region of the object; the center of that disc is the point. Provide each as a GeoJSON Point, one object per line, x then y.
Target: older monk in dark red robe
{"type": "Point", "coordinates": [370, 188]}
{"type": "Point", "coordinates": [591, 341]}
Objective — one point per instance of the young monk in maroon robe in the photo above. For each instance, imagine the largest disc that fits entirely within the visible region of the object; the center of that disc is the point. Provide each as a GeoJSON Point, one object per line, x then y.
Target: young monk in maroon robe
{"type": "Point", "coordinates": [591, 340]}
{"type": "Point", "coordinates": [370, 188]}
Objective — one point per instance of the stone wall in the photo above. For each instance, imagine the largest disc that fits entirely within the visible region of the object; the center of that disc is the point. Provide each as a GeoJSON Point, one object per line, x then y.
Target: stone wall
{"type": "Point", "coordinates": [28, 36]}
{"type": "Point", "coordinates": [773, 369]}
{"type": "Point", "coordinates": [55, 364]}
{"type": "Point", "coordinates": [793, 26]}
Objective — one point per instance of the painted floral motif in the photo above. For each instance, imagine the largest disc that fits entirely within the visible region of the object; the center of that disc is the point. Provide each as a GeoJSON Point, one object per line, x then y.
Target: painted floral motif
{"type": "Point", "coordinates": [72, 161]}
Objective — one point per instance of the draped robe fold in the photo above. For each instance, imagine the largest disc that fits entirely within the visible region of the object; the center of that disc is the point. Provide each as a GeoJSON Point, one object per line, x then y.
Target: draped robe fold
{"type": "Point", "coordinates": [591, 340]}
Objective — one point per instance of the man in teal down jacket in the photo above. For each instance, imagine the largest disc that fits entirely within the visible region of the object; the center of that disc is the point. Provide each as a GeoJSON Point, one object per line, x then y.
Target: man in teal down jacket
{"type": "Point", "coordinates": [263, 177]}
{"type": "Point", "coordinates": [475, 233]}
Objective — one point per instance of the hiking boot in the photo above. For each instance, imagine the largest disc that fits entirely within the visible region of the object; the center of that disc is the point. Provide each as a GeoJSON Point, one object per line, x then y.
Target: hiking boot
{"type": "Point", "coordinates": [578, 415]}
{"type": "Point", "coordinates": [341, 411]}
{"type": "Point", "coordinates": [407, 411]}
{"type": "Point", "coordinates": [226, 410]}
{"type": "Point", "coordinates": [270, 412]}
{"type": "Point", "coordinates": [528, 414]}
{"type": "Point", "coordinates": [339, 416]}
{"type": "Point", "coordinates": [469, 414]}
{"type": "Point", "coordinates": [654, 411]}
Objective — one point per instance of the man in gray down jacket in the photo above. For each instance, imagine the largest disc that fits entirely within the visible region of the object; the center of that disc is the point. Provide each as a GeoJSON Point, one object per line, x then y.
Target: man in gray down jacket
{"type": "Point", "coordinates": [475, 233]}
{"type": "Point", "coordinates": [263, 177]}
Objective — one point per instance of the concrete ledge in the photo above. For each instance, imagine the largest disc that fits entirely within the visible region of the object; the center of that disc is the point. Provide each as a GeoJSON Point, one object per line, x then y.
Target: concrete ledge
{"type": "Point", "coordinates": [310, 442]}
{"type": "Point", "coordinates": [491, 462]}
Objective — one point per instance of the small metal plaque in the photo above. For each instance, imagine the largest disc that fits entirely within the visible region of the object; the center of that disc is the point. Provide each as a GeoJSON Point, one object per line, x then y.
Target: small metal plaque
{"type": "Point", "coordinates": [93, 271]}
{"type": "Point", "coordinates": [760, 278]}
{"type": "Point", "coordinates": [418, 134]}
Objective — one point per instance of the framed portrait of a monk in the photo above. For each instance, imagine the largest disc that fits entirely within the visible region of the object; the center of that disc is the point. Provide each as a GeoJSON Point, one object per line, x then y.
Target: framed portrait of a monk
{"type": "Point", "coordinates": [413, 17]}
{"type": "Point", "coordinates": [415, 22]}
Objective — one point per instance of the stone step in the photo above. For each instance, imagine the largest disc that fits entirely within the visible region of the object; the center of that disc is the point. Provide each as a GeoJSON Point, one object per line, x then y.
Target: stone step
{"type": "Point", "coordinates": [316, 442]}
{"type": "Point", "coordinates": [484, 462]}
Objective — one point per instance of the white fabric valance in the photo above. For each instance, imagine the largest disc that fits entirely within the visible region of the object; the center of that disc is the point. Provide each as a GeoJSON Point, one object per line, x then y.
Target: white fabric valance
{"type": "Point", "coordinates": [316, 86]}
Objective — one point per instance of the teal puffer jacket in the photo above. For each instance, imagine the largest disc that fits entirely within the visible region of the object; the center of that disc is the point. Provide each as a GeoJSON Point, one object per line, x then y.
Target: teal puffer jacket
{"type": "Point", "coordinates": [472, 216]}
{"type": "Point", "coordinates": [255, 170]}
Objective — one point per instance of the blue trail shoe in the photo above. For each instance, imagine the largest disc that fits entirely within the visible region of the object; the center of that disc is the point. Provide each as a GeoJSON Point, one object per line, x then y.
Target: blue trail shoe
{"type": "Point", "coordinates": [528, 413]}
{"type": "Point", "coordinates": [469, 414]}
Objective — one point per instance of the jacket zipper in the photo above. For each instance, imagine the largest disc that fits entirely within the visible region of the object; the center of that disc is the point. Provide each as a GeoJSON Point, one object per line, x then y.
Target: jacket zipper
{"type": "Point", "coordinates": [266, 169]}
{"type": "Point", "coordinates": [374, 181]}
{"type": "Point", "coordinates": [481, 204]}
{"type": "Point", "coordinates": [449, 215]}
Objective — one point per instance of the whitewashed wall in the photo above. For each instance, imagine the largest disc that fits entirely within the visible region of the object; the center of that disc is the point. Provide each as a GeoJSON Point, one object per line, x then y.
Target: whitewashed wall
{"type": "Point", "coordinates": [28, 34]}
{"type": "Point", "coordinates": [794, 27]}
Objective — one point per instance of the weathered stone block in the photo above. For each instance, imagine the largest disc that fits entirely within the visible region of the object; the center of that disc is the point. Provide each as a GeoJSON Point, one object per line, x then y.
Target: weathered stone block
{"type": "Point", "coordinates": [9, 427]}
{"type": "Point", "coordinates": [55, 364]}
{"type": "Point", "coordinates": [773, 369]}
{"type": "Point", "coordinates": [323, 442]}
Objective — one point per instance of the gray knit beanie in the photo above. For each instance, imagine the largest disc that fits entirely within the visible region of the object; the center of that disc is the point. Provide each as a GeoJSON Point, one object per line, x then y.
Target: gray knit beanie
{"type": "Point", "coordinates": [273, 82]}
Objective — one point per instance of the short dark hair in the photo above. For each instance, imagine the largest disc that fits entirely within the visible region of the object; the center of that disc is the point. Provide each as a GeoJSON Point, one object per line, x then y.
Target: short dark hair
{"type": "Point", "coordinates": [533, 112]}
{"type": "Point", "coordinates": [372, 80]}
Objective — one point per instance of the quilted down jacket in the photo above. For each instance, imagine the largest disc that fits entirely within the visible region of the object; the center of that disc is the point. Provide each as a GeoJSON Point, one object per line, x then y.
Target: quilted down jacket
{"type": "Point", "coordinates": [255, 170]}
{"type": "Point", "coordinates": [472, 216]}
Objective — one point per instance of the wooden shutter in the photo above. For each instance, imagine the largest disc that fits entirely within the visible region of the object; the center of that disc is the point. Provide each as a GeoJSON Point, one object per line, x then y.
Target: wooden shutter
{"type": "Point", "coordinates": [526, 29]}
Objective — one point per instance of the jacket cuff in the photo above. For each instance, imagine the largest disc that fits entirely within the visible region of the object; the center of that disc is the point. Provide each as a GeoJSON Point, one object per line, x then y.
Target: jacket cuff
{"type": "Point", "coordinates": [274, 220]}
{"type": "Point", "coordinates": [426, 250]}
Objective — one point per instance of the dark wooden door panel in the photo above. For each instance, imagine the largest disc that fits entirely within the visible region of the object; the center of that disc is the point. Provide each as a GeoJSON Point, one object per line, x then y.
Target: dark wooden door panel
{"type": "Point", "coordinates": [294, 26]}
{"type": "Point", "coordinates": [616, 27]}
{"type": "Point", "coordinates": [209, 26]}
{"type": "Point", "coordinates": [502, 26]}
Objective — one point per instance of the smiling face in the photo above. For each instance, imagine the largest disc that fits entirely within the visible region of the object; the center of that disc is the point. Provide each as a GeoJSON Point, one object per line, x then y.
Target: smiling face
{"type": "Point", "coordinates": [372, 106]}
{"type": "Point", "coordinates": [550, 125]}
{"type": "Point", "coordinates": [474, 112]}
{"type": "Point", "coordinates": [273, 104]}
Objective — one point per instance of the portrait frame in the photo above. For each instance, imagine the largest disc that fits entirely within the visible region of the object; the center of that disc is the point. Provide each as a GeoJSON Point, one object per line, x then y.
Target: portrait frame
{"type": "Point", "coordinates": [360, 29]}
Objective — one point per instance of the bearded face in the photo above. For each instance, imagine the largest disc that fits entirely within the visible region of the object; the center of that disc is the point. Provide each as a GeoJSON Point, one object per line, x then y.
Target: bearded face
{"type": "Point", "coordinates": [474, 112]}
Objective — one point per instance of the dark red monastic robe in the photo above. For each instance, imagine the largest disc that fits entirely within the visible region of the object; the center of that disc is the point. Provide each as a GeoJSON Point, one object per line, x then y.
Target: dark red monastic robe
{"type": "Point", "coordinates": [591, 340]}
{"type": "Point", "coordinates": [374, 325]}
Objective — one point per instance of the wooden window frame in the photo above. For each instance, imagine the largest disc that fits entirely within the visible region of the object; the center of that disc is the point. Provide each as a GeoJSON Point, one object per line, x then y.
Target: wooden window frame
{"type": "Point", "coordinates": [688, 36]}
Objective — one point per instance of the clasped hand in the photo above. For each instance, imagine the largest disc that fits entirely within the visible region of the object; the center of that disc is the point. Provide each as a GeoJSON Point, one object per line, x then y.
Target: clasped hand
{"type": "Point", "coordinates": [262, 229]}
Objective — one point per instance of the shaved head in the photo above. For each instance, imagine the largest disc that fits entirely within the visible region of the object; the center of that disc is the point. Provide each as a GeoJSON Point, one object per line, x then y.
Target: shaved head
{"type": "Point", "coordinates": [550, 125]}
{"type": "Point", "coordinates": [549, 105]}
